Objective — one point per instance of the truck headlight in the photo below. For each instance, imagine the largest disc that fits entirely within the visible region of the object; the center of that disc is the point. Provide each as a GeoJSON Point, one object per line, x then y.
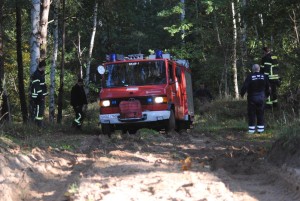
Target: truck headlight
{"type": "Point", "coordinates": [105, 103]}
{"type": "Point", "coordinates": [160, 99]}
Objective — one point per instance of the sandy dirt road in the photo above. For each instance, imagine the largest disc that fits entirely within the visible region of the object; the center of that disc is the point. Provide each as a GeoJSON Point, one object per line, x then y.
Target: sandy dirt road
{"type": "Point", "coordinates": [178, 166]}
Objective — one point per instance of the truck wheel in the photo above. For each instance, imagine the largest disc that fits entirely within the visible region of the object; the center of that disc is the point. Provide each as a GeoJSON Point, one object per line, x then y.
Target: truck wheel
{"type": "Point", "coordinates": [171, 123]}
{"type": "Point", "coordinates": [106, 129]}
{"type": "Point", "coordinates": [183, 125]}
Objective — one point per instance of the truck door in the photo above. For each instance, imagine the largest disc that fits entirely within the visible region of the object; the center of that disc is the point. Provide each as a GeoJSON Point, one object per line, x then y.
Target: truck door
{"type": "Point", "coordinates": [181, 93]}
{"type": "Point", "coordinates": [172, 85]}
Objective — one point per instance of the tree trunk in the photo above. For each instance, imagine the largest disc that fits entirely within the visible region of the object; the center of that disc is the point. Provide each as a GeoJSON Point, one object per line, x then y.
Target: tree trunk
{"type": "Point", "coordinates": [53, 65]}
{"type": "Point", "coordinates": [182, 17]}
{"type": "Point", "coordinates": [20, 64]}
{"type": "Point", "coordinates": [234, 56]}
{"type": "Point", "coordinates": [225, 75]}
{"type": "Point", "coordinates": [87, 78]}
{"type": "Point", "coordinates": [35, 35]}
{"type": "Point", "coordinates": [4, 114]}
{"type": "Point", "coordinates": [294, 20]}
{"type": "Point", "coordinates": [243, 39]}
{"type": "Point", "coordinates": [261, 19]}
{"type": "Point", "coordinates": [79, 54]}
{"type": "Point", "coordinates": [34, 46]}
{"type": "Point", "coordinates": [44, 28]}
{"type": "Point", "coordinates": [61, 81]}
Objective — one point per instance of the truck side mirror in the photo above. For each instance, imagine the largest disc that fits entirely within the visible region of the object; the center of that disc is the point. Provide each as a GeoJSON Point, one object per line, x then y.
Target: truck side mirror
{"type": "Point", "coordinates": [101, 69]}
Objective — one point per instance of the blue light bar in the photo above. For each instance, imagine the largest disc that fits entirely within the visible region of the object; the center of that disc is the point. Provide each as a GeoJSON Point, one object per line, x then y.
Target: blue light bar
{"type": "Point", "coordinates": [113, 57]}
{"type": "Point", "coordinates": [159, 54]}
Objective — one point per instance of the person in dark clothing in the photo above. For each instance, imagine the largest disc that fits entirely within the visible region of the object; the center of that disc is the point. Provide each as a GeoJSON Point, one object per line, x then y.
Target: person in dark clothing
{"type": "Point", "coordinates": [78, 100]}
{"type": "Point", "coordinates": [270, 68]}
{"type": "Point", "coordinates": [38, 92]}
{"type": "Point", "coordinates": [203, 94]}
{"type": "Point", "coordinates": [257, 87]}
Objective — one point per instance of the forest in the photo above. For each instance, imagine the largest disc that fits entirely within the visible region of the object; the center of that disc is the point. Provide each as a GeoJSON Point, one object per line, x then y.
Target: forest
{"type": "Point", "coordinates": [216, 159]}
{"type": "Point", "coordinates": [220, 38]}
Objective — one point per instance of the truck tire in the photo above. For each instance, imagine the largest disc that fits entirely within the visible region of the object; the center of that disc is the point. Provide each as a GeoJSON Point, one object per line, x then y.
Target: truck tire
{"type": "Point", "coordinates": [171, 123]}
{"type": "Point", "coordinates": [107, 129]}
{"type": "Point", "coordinates": [183, 125]}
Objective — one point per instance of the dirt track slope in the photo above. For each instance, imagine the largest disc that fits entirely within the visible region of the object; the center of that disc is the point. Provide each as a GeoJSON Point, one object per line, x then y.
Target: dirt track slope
{"type": "Point", "coordinates": [185, 166]}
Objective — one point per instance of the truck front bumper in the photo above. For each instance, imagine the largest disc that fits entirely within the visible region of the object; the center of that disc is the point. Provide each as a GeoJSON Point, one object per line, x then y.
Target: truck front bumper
{"type": "Point", "coordinates": [148, 116]}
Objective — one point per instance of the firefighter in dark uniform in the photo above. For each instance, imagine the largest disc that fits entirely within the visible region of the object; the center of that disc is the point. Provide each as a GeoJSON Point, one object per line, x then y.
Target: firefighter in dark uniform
{"type": "Point", "coordinates": [270, 68]}
{"type": "Point", "coordinates": [38, 92]}
{"type": "Point", "coordinates": [78, 101]}
{"type": "Point", "coordinates": [257, 87]}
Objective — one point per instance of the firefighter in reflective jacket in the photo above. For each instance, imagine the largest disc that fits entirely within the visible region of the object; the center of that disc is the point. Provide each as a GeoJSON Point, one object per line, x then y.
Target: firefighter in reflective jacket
{"type": "Point", "coordinates": [78, 101]}
{"type": "Point", "coordinates": [38, 92]}
{"type": "Point", "coordinates": [257, 87]}
{"type": "Point", "coordinates": [270, 68]}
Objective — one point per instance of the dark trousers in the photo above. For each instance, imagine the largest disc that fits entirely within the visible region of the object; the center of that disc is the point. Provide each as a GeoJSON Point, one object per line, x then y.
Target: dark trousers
{"type": "Point", "coordinates": [256, 108]}
{"type": "Point", "coordinates": [39, 108]}
{"type": "Point", "coordinates": [272, 99]}
{"type": "Point", "coordinates": [78, 116]}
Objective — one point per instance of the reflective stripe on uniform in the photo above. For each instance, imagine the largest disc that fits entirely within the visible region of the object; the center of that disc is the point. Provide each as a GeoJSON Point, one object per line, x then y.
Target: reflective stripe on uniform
{"type": "Point", "coordinates": [273, 77]}
{"type": "Point", "coordinates": [37, 117]}
{"type": "Point", "coordinates": [260, 128]}
{"type": "Point", "coordinates": [274, 57]}
{"type": "Point", "coordinates": [78, 119]}
{"type": "Point", "coordinates": [269, 102]}
{"type": "Point", "coordinates": [251, 129]}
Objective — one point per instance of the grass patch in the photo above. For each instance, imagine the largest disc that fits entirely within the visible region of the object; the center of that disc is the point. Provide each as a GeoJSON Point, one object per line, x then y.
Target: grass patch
{"type": "Point", "coordinates": [290, 135]}
{"type": "Point", "coordinates": [56, 135]}
{"type": "Point", "coordinates": [230, 116]}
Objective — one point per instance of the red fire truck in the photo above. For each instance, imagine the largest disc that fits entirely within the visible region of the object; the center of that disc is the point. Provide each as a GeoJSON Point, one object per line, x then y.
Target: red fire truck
{"type": "Point", "coordinates": [152, 92]}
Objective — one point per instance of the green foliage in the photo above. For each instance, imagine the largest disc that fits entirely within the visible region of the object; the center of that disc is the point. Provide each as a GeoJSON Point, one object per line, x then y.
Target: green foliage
{"type": "Point", "coordinates": [177, 9]}
{"type": "Point", "coordinates": [73, 188]}
{"type": "Point", "coordinates": [127, 27]}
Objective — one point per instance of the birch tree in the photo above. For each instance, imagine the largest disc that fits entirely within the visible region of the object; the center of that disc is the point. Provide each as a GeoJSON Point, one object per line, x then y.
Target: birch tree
{"type": "Point", "coordinates": [35, 35]}
{"type": "Point", "coordinates": [294, 20]}
{"type": "Point", "coordinates": [44, 28]}
{"type": "Point", "coordinates": [54, 61]}
{"type": "Point", "coordinates": [243, 35]}
{"type": "Point", "coordinates": [79, 54]}
{"type": "Point", "coordinates": [87, 79]}
{"type": "Point", "coordinates": [234, 56]}
{"type": "Point", "coordinates": [38, 41]}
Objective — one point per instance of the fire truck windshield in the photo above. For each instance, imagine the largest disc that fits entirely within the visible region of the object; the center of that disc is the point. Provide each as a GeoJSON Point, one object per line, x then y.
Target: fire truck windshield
{"type": "Point", "coordinates": [135, 73]}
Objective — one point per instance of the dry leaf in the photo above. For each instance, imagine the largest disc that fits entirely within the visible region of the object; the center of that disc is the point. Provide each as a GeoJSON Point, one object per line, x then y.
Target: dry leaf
{"type": "Point", "coordinates": [186, 164]}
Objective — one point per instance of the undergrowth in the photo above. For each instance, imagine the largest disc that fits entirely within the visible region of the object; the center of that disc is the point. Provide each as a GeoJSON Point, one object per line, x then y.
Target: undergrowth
{"type": "Point", "coordinates": [225, 116]}
{"type": "Point", "coordinates": [56, 135]}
